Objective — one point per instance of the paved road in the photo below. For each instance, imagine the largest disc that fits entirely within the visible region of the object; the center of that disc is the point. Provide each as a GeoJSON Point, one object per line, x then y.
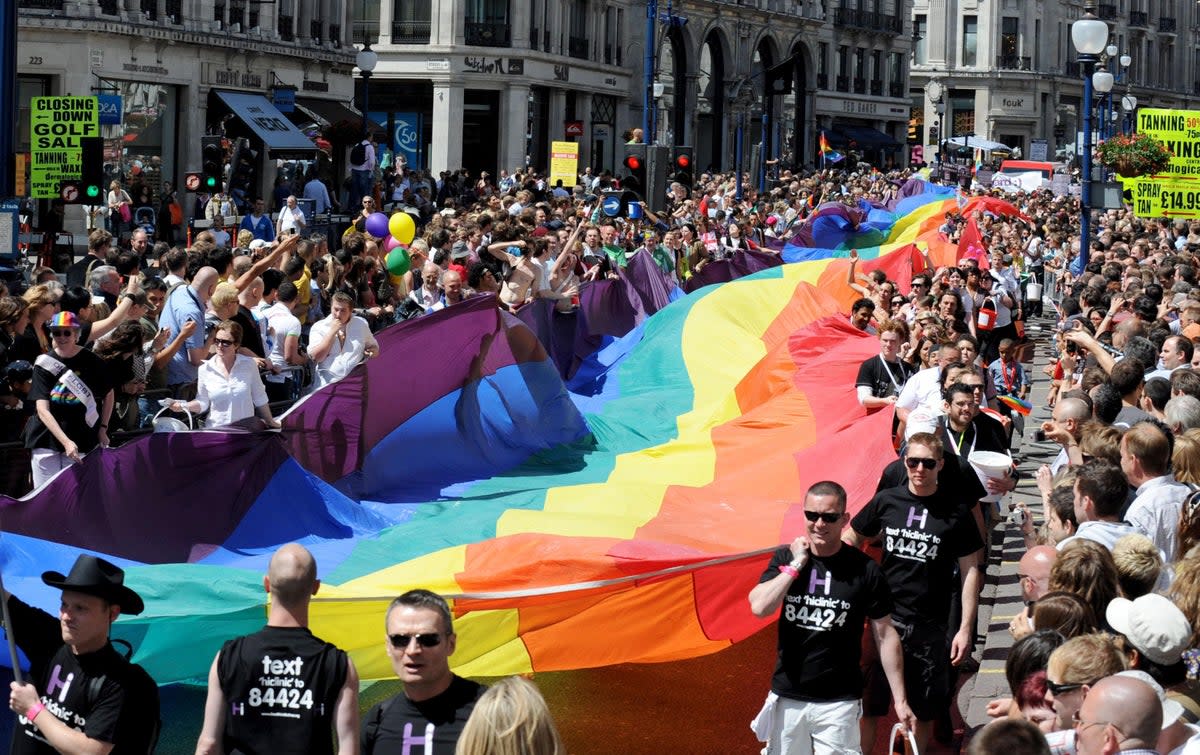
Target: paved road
{"type": "Point", "coordinates": [1001, 598]}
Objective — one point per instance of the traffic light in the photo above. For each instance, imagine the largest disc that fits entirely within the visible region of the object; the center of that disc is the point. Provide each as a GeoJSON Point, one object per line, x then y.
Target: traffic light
{"type": "Point", "coordinates": [212, 154]}
{"type": "Point", "coordinates": [914, 131]}
{"type": "Point", "coordinates": [243, 174]}
{"type": "Point", "coordinates": [635, 168]}
{"type": "Point", "coordinates": [91, 183]}
{"type": "Point", "coordinates": [682, 170]}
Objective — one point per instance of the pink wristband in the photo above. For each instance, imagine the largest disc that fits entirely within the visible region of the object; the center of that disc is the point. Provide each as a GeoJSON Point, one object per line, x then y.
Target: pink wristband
{"type": "Point", "coordinates": [789, 570]}
{"type": "Point", "coordinates": [34, 710]}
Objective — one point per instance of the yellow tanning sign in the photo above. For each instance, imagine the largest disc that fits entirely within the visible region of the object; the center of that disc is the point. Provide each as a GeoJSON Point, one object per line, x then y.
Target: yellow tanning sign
{"type": "Point", "coordinates": [1175, 192]}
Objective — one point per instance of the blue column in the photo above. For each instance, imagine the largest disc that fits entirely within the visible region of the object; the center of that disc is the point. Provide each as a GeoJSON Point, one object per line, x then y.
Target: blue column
{"type": "Point", "coordinates": [1085, 192]}
{"type": "Point", "coordinates": [8, 97]}
{"type": "Point", "coordinates": [648, 73]}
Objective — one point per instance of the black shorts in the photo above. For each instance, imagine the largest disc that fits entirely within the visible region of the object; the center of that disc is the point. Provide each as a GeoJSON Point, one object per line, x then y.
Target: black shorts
{"type": "Point", "coordinates": [926, 673]}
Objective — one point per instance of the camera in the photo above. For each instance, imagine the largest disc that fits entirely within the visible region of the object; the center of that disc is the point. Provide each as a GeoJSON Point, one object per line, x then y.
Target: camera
{"type": "Point", "coordinates": [1039, 436]}
{"type": "Point", "coordinates": [1018, 517]}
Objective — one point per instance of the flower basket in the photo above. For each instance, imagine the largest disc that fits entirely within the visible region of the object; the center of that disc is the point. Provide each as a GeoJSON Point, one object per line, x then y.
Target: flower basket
{"type": "Point", "coordinates": [1134, 155]}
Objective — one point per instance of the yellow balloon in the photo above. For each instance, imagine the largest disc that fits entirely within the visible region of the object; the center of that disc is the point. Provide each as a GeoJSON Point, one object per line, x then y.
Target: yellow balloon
{"type": "Point", "coordinates": [402, 227]}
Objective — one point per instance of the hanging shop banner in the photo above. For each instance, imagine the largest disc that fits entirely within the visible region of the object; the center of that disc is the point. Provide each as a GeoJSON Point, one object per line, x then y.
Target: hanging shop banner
{"type": "Point", "coordinates": [1175, 192]}
{"type": "Point", "coordinates": [56, 126]}
{"type": "Point", "coordinates": [564, 164]}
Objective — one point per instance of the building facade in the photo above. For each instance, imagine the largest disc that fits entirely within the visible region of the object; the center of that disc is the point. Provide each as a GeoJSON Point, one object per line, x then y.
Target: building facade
{"type": "Point", "coordinates": [488, 84]}
{"type": "Point", "coordinates": [167, 71]}
{"type": "Point", "coordinates": [1006, 70]}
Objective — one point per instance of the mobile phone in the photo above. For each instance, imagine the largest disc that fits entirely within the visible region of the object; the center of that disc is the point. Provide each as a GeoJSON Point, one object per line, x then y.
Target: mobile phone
{"type": "Point", "coordinates": [1039, 436]}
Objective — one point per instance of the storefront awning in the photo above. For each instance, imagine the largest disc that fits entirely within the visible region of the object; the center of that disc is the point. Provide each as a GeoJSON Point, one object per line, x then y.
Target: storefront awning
{"type": "Point", "coordinates": [864, 137]}
{"type": "Point", "coordinates": [281, 138]}
{"type": "Point", "coordinates": [339, 121]}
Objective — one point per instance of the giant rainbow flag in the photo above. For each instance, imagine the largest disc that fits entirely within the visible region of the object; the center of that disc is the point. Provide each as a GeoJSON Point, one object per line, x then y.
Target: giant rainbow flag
{"type": "Point", "coordinates": [620, 516]}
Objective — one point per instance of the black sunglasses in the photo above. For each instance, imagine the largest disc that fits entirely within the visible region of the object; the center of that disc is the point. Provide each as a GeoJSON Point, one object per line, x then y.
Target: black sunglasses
{"type": "Point", "coordinates": [222, 342]}
{"type": "Point", "coordinates": [401, 641]}
{"type": "Point", "coordinates": [1062, 689]}
{"type": "Point", "coordinates": [828, 518]}
{"type": "Point", "coordinates": [912, 462]}
{"type": "Point", "coordinates": [62, 333]}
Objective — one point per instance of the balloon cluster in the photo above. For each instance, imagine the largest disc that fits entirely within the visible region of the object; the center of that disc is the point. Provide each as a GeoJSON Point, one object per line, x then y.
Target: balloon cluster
{"type": "Point", "coordinates": [397, 232]}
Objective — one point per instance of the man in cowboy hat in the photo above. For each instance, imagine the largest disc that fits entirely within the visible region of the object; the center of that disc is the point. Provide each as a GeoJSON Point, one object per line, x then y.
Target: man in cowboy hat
{"type": "Point", "coordinates": [82, 695]}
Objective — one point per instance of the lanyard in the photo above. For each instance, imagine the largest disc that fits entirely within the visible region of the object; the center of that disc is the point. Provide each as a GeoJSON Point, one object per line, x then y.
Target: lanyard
{"type": "Point", "coordinates": [1008, 380]}
{"type": "Point", "coordinates": [888, 370]}
{"type": "Point", "coordinates": [961, 436]}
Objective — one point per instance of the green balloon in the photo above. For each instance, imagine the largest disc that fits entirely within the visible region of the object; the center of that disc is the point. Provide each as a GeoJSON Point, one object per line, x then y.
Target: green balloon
{"type": "Point", "coordinates": [398, 261]}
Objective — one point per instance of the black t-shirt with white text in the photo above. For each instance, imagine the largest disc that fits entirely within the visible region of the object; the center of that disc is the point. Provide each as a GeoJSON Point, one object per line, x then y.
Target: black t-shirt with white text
{"type": "Point", "coordinates": [922, 539]}
{"type": "Point", "coordinates": [281, 686]}
{"type": "Point", "coordinates": [821, 624]}
{"type": "Point", "coordinates": [430, 727]}
{"type": "Point", "coordinates": [100, 693]}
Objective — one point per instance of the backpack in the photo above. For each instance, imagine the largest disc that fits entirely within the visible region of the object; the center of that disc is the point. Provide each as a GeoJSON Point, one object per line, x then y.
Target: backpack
{"type": "Point", "coordinates": [358, 154]}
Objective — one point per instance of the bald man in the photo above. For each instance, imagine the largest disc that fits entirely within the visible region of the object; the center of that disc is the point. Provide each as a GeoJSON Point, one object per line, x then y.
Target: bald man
{"type": "Point", "coordinates": [1065, 427]}
{"type": "Point", "coordinates": [187, 304]}
{"type": "Point", "coordinates": [1034, 571]}
{"type": "Point", "coordinates": [281, 689]}
{"type": "Point", "coordinates": [1119, 714]}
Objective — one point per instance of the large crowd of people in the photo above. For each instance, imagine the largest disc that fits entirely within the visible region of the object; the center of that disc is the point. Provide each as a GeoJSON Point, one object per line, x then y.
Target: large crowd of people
{"type": "Point", "coordinates": [230, 323]}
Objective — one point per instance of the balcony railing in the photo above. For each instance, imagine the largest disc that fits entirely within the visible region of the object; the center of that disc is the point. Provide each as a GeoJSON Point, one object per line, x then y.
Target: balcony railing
{"type": "Point", "coordinates": [577, 47]}
{"type": "Point", "coordinates": [843, 83]}
{"type": "Point", "coordinates": [896, 89]}
{"type": "Point", "coordinates": [1166, 24]}
{"type": "Point", "coordinates": [822, 81]}
{"type": "Point", "coordinates": [410, 33]}
{"type": "Point", "coordinates": [869, 20]}
{"type": "Point", "coordinates": [286, 32]}
{"type": "Point", "coordinates": [1106, 12]}
{"type": "Point", "coordinates": [40, 4]}
{"type": "Point", "coordinates": [488, 34]}
{"type": "Point", "coordinates": [1013, 63]}
{"type": "Point", "coordinates": [860, 86]}
{"type": "Point", "coordinates": [877, 87]}
{"type": "Point", "coordinates": [1139, 18]}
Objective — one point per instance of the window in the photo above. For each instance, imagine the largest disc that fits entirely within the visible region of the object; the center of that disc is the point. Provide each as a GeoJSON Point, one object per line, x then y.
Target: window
{"type": "Point", "coordinates": [877, 65]}
{"type": "Point", "coordinates": [1010, 36]}
{"type": "Point", "coordinates": [843, 61]}
{"type": "Point", "coordinates": [921, 29]}
{"type": "Point", "coordinates": [823, 59]}
{"type": "Point", "coordinates": [897, 66]}
{"type": "Point", "coordinates": [970, 40]}
{"type": "Point", "coordinates": [410, 21]}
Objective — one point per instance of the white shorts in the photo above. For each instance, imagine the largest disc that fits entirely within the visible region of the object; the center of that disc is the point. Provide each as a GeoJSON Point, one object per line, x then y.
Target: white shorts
{"type": "Point", "coordinates": [46, 463]}
{"type": "Point", "coordinates": [796, 727]}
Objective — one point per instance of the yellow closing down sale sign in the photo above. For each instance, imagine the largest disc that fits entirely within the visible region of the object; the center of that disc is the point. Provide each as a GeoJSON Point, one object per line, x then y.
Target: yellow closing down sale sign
{"type": "Point", "coordinates": [1175, 192]}
{"type": "Point", "coordinates": [56, 126]}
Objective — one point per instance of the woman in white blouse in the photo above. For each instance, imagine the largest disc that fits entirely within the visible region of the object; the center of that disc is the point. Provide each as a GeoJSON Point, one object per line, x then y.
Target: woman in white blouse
{"type": "Point", "coordinates": [229, 387]}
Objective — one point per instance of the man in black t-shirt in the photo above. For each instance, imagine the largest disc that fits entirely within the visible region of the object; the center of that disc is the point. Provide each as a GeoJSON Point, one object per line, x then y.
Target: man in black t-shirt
{"type": "Point", "coordinates": [429, 715]}
{"type": "Point", "coordinates": [881, 377]}
{"type": "Point", "coordinates": [281, 689]}
{"type": "Point", "coordinates": [924, 531]}
{"type": "Point", "coordinates": [81, 695]}
{"type": "Point", "coordinates": [827, 592]}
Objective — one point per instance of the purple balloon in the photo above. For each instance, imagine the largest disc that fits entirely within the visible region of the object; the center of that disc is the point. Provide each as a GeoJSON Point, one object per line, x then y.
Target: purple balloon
{"type": "Point", "coordinates": [377, 225]}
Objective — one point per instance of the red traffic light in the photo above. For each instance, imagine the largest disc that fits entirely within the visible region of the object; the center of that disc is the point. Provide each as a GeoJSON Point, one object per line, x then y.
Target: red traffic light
{"type": "Point", "coordinates": [683, 161]}
{"type": "Point", "coordinates": [633, 162]}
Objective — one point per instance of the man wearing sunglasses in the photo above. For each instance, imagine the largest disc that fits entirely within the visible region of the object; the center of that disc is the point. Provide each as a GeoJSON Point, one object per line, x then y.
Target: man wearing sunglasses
{"type": "Point", "coordinates": [925, 531]}
{"type": "Point", "coordinates": [281, 689]}
{"type": "Point", "coordinates": [827, 591]}
{"type": "Point", "coordinates": [429, 715]}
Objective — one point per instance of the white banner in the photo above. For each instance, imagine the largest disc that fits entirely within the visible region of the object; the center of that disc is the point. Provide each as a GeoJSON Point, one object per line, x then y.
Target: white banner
{"type": "Point", "coordinates": [1029, 180]}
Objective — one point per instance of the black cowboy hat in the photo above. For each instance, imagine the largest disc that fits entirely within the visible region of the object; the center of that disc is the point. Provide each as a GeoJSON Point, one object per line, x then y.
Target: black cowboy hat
{"type": "Point", "coordinates": [95, 576]}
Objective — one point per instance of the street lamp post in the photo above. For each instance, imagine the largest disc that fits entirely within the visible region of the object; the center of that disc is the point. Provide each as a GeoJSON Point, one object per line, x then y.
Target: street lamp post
{"type": "Point", "coordinates": [366, 60]}
{"type": "Point", "coordinates": [1128, 104]}
{"type": "Point", "coordinates": [936, 94]}
{"type": "Point", "coordinates": [1089, 35]}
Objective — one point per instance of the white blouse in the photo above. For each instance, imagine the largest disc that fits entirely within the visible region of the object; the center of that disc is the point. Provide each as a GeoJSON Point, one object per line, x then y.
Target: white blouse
{"type": "Point", "coordinates": [229, 398]}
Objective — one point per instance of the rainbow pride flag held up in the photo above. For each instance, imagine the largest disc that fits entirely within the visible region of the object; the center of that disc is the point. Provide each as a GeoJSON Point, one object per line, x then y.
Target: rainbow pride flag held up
{"type": "Point", "coordinates": [621, 516]}
{"type": "Point", "coordinates": [1018, 405]}
{"type": "Point", "coordinates": [828, 153]}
